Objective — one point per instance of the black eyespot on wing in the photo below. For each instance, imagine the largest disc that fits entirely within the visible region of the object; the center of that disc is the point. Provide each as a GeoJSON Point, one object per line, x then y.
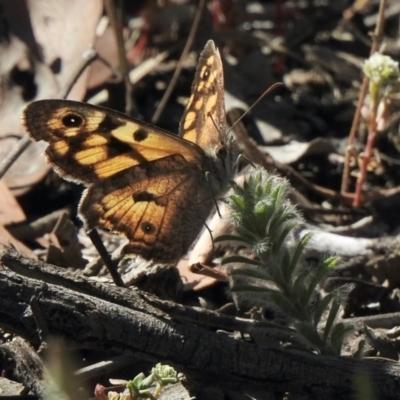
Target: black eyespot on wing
{"type": "Point", "coordinates": [143, 196]}
{"type": "Point", "coordinates": [140, 134]}
{"type": "Point", "coordinates": [117, 148]}
{"type": "Point", "coordinates": [109, 123]}
{"type": "Point", "coordinates": [72, 120]}
{"type": "Point", "coordinates": [148, 227]}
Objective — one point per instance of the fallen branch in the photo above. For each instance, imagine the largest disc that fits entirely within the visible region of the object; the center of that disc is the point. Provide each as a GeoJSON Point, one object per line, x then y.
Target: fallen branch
{"type": "Point", "coordinates": [102, 317]}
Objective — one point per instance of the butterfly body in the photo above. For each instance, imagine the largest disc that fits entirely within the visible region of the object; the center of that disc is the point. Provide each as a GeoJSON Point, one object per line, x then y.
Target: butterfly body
{"type": "Point", "coordinates": [155, 188]}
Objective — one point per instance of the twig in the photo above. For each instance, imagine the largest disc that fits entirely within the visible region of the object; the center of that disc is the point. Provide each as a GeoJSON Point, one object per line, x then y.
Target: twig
{"type": "Point", "coordinates": [90, 56]}
{"type": "Point", "coordinates": [36, 228]}
{"type": "Point", "coordinates": [188, 45]}
{"type": "Point", "coordinates": [105, 367]}
{"type": "Point", "coordinates": [98, 243]}
{"type": "Point", "coordinates": [42, 329]}
{"type": "Point", "coordinates": [13, 156]}
{"type": "Point", "coordinates": [114, 15]}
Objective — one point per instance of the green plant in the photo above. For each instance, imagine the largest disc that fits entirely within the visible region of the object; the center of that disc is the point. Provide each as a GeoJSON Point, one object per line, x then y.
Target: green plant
{"type": "Point", "coordinates": [276, 274]}
{"type": "Point", "coordinates": [383, 73]}
{"type": "Point", "coordinates": [142, 386]}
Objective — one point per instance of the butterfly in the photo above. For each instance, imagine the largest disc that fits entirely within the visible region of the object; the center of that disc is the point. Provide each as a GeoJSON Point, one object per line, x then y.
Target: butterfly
{"type": "Point", "coordinates": [155, 188]}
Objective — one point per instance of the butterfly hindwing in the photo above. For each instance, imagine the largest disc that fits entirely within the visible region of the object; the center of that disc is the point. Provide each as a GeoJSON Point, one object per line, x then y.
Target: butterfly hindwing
{"type": "Point", "coordinates": [145, 201]}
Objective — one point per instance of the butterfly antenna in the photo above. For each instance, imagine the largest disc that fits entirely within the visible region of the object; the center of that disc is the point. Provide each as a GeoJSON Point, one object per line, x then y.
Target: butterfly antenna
{"type": "Point", "coordinates": [269, 90]}
{"type": "Point", "coordinates": [216, 126]}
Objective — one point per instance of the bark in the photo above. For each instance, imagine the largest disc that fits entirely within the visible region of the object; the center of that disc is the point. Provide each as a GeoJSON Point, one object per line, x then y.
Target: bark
{"type": "Point", "coordinates": [103, 317]}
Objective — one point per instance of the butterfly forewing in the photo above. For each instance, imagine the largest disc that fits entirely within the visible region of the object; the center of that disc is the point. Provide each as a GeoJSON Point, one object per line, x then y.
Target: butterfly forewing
{"type": "Point", "coordinates": [204, 120]}
{"type": "Point", "coordinates": [87, 143]}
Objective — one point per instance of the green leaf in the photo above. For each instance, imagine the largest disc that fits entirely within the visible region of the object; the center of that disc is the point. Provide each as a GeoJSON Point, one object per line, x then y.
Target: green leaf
{"type": "Point", "coordinates": [146, 382]}
{"type": "Point", "coordinates": [285, 304]}
{"type": "Point", "coordinates": [262, 217]}
{"type": "Point", "coordinates": [306, 238]}
{"type": "Point", "coordinates": [272, 325]}
{"type": "Point", "coordinates": [224, 238]}
{"type": "Point", "coordinates": [339, 331]}
{"type": "Point", "coordinates": [331, 262]}
{"type": "Point", "coordinates": [309, 333]}
{"type": "Point", "coordinates": [279, 238]}
{"type": "Point", "coordinates": [299, 288]}
{"type": "Point", "coordinates": [333, 312]}
{"type": "Point", "coordinates": [240, 259]}
{"type": "Point", "coordinates": [268, 186]}
{"type": "Point", "coordinates": [137, 379]}
{"type": "Point", "coordinates": [284, 276]}
{"type": "Point", "coordinates": [321, 272]}
{"type": "Point", "coordinates": [237, 203]}
{"type": "Point", "coordinates": [322, 306]}
{"type": "Point", "coordinates": [252, 289]}
{"type": "Point", "coordinates": [295, 259]}
{"type": "Point", "coordinates": [251, 273]}
{"type": "Point", "coordinates": [277, 195]}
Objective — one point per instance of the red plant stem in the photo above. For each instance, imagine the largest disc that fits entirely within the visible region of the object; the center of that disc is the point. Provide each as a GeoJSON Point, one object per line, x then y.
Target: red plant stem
{"type": "Point", "coordinates": [376, 39]}
{"type": "Point", "coordinates": [367, 155]}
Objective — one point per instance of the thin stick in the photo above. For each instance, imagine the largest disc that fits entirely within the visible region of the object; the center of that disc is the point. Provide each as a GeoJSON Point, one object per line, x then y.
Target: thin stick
{"type": "Point", "coordinates": [41, 325]}
{"type": "Point", "coordinates": [188, 45]}
{"type": "Point", "coordinates": [98, 243]}
{"type": "Point", "coordinates": [114, 15]}
{"type": "Point", "coordinates": [14, 154]}
{"type": "Point", "coordinates": [89, 56]}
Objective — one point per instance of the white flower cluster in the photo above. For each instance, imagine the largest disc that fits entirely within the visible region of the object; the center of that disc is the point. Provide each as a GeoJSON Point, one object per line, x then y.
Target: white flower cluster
{"type": "Point", "coordinates": [381, 69]}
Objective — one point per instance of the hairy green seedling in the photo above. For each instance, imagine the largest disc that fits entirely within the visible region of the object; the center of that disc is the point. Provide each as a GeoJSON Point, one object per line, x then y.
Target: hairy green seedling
{"type": "Point", "coordinates": [275, 274]}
